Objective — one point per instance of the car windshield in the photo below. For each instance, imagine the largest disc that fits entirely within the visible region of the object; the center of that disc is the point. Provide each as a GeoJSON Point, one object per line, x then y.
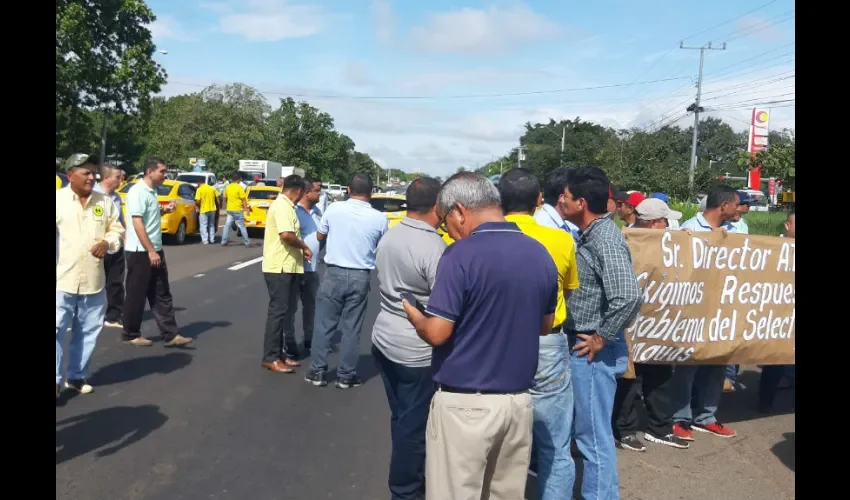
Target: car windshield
{"type": "Point", "coordinates": [262, 195]}
{"type": "Point", "coordinates": [192, 179]}
{"type": "Point", "coordinates": [388, 204]}
{"type": "Point", "coordinates": [759, 199]}
{"type": "Point", "coordinates": [163, 190]}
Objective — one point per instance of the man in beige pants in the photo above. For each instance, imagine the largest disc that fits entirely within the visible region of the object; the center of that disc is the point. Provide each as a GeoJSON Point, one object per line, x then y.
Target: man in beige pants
{"type": "Point", "coordinates": [484, 319]}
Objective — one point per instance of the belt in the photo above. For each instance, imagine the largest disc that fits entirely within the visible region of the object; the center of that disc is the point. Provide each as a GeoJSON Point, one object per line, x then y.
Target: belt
{"type": "Point", "coordinates": [557, 329]}
{"type": "Point", "coordinates": [349, 268]}
{"type": "Point", "coordinates": [458, 390]}
{"type": "Point", "coordinates": [573, 333]}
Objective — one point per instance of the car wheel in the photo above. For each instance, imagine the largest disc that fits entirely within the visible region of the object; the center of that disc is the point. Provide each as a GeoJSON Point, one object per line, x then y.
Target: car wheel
{"type": "Point", "coordinates": [180, 235]}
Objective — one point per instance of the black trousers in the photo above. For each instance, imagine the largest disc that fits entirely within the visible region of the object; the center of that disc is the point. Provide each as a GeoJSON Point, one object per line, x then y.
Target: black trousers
{"type": "Point", "coordinates": [308, 286]}
{"type": "Point", "coordinates": [114, 266]}
{"type": "Point", "coordinates": [147, 282]}
{"type": "Point", "coordinates": [771, 376]}
{"type": "Point", "coordinates": [282, 298]}
{"type": "Point", "coordinates": [654, 382]}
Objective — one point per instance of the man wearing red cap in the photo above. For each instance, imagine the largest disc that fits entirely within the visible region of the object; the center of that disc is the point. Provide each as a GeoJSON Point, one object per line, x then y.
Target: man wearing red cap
{"type": "Point", "coordinates": [626, 206]}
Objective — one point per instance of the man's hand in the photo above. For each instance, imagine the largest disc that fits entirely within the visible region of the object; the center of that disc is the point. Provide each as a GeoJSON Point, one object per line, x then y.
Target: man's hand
{"type": "Point", "coordinates": [413, 313]}
{"type": "Point", "coordinates": [720, 230]}
{"type": "Point", "coordinates": [308, 255]}
{"type": "Point", "coordinates": [591, 345]}
{"type": "Point", "coordinates": [99, 249]}
{"type": "Point", "coordinates": [689, 232]}
{"type": "Point", "coordinates": [155, 259]}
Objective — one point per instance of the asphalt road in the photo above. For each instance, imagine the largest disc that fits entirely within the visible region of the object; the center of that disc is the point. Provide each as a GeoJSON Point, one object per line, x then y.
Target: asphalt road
{"type": "Point", "coordinates": [206, 422]}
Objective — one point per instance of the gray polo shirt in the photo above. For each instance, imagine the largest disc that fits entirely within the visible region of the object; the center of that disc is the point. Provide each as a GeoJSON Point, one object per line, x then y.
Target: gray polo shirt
{"type": "Point", "coordinates": [406, 261]}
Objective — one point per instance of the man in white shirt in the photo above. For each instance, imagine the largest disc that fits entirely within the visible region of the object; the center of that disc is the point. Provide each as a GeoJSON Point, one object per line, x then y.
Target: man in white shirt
{"type": "Point", "coordinates": [87, 226]}
{"type": "Point", "coordinates": [113, 263]}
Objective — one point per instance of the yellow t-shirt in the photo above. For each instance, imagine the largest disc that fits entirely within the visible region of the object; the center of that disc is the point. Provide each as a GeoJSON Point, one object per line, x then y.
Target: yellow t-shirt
{"type": "Point", "coordinates": [205, 195]}
{"type": "Point", "coordinates": [562, 248]}
{"type": "Point", "coordinates": [234, 194]}
{"type": "Point", "coordinates": [277, 256]}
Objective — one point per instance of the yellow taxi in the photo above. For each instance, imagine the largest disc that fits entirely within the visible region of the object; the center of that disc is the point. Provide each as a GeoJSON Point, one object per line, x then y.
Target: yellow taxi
{"type": "Point", "coordinates": [395, 208]}
{"type": "Point", "coordinates": [260, 198]}
{"type": "Point", "coordinates": [184, 220]}
{"type": "Point", "coordinates": [61, 180]}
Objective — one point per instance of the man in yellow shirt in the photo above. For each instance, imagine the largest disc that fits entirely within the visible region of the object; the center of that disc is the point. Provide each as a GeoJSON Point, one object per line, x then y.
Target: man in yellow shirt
{"type": "Point", "coordinates": [208, 204]}
{"type": "Point", "coordinates": [87, 228]}
{"type": "Point", "coordinates": [236, 204]}
{"type": "Point", "coordinates": [552, 392]}
{"type": "Point", "coordinates": [284, 253]}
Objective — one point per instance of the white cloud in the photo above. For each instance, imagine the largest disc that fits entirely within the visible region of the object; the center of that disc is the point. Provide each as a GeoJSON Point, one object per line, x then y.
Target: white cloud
{"type": "Point", "coordinates": [437, 136]}
{"type": "Point", "coordinates": [758, 27]}
{"type": "Point", "coordinates": [167, 28]}
{"type": "Point", "coordinates": [384, 19]}
{"type": "Point", "coordinates": [269, 20]}
{"type": "Point", "coordinates": [491, 30]}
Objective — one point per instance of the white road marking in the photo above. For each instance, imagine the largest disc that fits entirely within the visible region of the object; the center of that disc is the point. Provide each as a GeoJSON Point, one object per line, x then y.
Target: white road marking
{"type": "Point", "coordinates": [243, 265]}
{"type": "Point", "coordinates": [200, 275]}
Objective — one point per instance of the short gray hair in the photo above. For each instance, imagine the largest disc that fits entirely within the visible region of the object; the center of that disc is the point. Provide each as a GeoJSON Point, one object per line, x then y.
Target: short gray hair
{"type": "Point", "coordinates": [471, 190]}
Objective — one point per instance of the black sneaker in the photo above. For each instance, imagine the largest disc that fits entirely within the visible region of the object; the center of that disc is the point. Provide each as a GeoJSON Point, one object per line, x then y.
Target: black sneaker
{"type": "Point", "coordinates": [347, 383]}
{"type": "Point", "coordinates": [631, 443]}
{"type": "Point", "coordinates": [670, 440]}
{"type": "Point", "coordinates": [316, 378]}
{"type": "Point", "coordinates": [80, 386]}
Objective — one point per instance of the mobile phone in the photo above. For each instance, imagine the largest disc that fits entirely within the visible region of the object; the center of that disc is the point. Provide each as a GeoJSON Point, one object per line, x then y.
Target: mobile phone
{"type": "Point", "coordinates": [412, 301]}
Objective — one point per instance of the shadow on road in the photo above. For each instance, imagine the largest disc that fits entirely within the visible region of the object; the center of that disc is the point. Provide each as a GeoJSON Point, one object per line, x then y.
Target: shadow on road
{"type": "Point", "coordinates": [785, 451]}
{"type": "Point", "coordinates": [199, 328]}
{"type": "Point", "coordinates": [740, 405]}
{"type": "Point", "coordinates": [108, 430]}
{"type": "Point", "coordinates": [135, 368]}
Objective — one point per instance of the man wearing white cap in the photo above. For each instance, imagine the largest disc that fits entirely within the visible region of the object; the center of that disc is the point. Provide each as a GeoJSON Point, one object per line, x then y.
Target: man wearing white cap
{"type": "Point", "coordinates": [653, 213]}
{"type": "Point", "coordinates": [652, 380]}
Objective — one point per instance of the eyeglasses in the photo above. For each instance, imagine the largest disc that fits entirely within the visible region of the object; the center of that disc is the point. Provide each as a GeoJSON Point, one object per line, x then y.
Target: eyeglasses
{"type": "Point", "coordinates": [442, 226]}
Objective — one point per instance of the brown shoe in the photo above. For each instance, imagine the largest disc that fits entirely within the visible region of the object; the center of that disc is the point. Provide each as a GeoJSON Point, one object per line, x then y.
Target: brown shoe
{"type": "Point", "coordinates": [178, 340]}
{"type": "Point", "coordinates": [139, 342]}
{"type": "Point", "coordinates": [277, 366]}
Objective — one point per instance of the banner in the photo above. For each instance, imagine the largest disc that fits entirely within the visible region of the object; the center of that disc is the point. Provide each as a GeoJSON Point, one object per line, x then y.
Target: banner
{"type": "Point", "coordinates": [712, 298]}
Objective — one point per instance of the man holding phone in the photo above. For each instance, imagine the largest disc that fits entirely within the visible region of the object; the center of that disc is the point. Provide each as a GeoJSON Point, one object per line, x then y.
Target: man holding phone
{"type": "Point", "coordinates": [406, 261]}
{"type": "Point", "coordinates": [146, 267]}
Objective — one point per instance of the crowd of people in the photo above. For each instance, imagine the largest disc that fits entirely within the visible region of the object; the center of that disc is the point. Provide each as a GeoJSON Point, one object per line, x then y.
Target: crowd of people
{"type": "Point", "coordinates": [498, 353]}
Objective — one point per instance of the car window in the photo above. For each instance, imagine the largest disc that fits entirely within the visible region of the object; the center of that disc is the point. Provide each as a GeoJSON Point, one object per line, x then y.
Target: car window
{"type": "Point", "coordinates": [262, 194]}
{"type": "Point", "coordinates": [194, 179]}
{"type": "Point", "coordinates": [388, 204]}
{"type": "Point", "coordinates": [63, 178]}
{"type": "Point", "coordinates": [185, 191]}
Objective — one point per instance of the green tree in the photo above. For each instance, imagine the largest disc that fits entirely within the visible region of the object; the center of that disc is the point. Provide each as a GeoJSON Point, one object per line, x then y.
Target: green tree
{"type": "Point", "coordinates": [104, 61]}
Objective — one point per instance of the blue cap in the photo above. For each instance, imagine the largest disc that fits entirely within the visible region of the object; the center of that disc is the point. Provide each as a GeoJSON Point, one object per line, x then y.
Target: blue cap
{"type": "Point", "coordinates": [744, 198]}
{"type": "Point", "coordinates": [660, 196]}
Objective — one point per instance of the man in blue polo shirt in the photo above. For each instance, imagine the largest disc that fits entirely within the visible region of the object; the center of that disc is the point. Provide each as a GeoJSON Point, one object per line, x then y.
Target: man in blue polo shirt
{"type": "Point", "coordinates": [551, 213]}
{"type": "Point", "coordinates": [495, 293]}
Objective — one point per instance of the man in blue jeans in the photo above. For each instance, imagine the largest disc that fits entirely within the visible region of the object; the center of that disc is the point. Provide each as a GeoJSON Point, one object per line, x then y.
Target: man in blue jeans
{"type": "Point", "coordinates": [406, 261]}
{"type": "Point", "coordinates": [607, 302]}
{"type": "Point", "coordinates": [236, 204]}
{"type": "Point", "coordinates": [352, 230]}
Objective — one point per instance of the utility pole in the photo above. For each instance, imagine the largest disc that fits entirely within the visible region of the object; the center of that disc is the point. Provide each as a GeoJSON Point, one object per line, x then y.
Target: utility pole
{"type": "Point", "coordinates": [520, 155]}
{"type": "Point", "coordinates": [696, 109]}
{"type": "Point", "coordinates": [563, 140]}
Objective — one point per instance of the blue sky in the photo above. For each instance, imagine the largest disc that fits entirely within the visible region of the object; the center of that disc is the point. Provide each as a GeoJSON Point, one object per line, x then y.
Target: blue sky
{"type": "Point", "coordinates": [519, 61]}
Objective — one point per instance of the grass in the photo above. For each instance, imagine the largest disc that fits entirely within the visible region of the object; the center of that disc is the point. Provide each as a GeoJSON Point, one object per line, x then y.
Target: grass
{"type": "Point", "coordinates": [762, 223]}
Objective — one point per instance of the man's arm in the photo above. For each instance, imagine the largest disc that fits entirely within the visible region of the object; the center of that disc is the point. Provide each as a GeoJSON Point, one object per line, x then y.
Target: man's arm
{"type": "Point", "coordinates": [444, 306]}
{"type": "Point", "coordinates": [114, 230]}
{"type": "Point", "coordinates": [620, 288]}
{"type": "Point", "coordinates": [136, 210]}
{"type": "Point", "coordinates": [324, 227]}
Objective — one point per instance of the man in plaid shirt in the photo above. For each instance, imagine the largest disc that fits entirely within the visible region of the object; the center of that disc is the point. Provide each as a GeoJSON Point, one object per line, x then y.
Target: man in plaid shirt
{"type": "Point", "coordinates": [607, 301]}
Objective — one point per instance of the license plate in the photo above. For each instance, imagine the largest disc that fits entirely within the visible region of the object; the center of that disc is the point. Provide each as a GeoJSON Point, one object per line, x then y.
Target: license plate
{"type": "Point", "coordinates": [263, 204]}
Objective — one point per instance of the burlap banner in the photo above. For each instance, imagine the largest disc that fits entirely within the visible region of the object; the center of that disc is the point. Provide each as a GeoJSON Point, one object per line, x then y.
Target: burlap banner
{"type": "Point", "coordinates": [712, 298]}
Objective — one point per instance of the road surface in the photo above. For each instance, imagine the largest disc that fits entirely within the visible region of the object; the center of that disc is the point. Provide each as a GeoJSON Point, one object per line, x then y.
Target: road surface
{"type": "Point", "coordinates": [206, 422]}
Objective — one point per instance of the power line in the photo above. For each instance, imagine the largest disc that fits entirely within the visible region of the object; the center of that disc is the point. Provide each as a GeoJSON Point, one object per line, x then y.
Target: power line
{"type": "Point", "coordinates": [767, 24]}
{"type": "Point", "coordinates": [724, 23]}
{"type": "Point", "coordinates": [754, 57]}
{"type": "Point", "coordinates": [465, 96]}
